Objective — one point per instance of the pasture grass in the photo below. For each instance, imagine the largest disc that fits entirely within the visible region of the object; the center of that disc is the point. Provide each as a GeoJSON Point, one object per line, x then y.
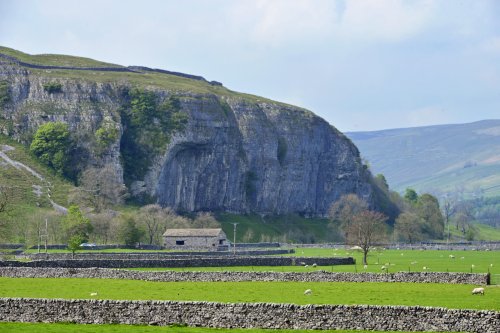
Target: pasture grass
{"type": "Point", "coordinates": [116, 328]}
{"type": "Point", "coordinates": [454, 296]}
{"type": "Point", "coordinates": [397, 260]}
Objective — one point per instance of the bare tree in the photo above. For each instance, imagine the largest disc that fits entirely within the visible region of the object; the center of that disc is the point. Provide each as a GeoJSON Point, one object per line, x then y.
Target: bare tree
{"type": "Point", "coordinates": [153, 217]}
{"type": "Point", "coordinates": [409, 227]}
{"type": "Point", "coordinates": [103, 224]}
{"type": "Point", "coordinates": [448, 211]}
{"type": "Point", "coordinates": [343, 211]}
{"type": "Point", "coordinates": [366, 229]}
{"type": "Point", "coordinates": [100, 188]}
{"type": "Point", "coordinates": [205, 220]}
{"type": "Point", "coordinates": [463, 216]}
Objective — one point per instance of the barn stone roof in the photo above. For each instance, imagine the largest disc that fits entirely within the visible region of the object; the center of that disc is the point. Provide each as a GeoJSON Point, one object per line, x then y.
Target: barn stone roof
{"type": "Point", "coordinates": [192, 232]}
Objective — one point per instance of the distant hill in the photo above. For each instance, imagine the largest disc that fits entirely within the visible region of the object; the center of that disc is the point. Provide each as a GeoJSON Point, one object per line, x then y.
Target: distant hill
{"type": "Point", "coordinates": [463, 158]}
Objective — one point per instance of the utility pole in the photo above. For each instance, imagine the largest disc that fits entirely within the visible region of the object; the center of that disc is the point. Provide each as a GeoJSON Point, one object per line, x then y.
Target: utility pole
{"type": "Point", "coordinates": [234, 238]}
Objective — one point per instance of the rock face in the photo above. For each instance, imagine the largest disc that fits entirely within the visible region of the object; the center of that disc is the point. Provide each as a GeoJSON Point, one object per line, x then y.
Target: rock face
{"type": "Point", "coordinates": [236, 153]}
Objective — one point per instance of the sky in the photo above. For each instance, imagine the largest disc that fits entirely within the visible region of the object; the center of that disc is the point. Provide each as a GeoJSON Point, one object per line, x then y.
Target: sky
{"type": "Point", "coordinates": [361, 65]}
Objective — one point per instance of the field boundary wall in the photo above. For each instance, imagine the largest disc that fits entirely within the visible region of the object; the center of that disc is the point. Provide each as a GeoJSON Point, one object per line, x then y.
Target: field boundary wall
{"type": "Point", "coordinates": [228, 276]}
{"type": "Point", "coordinates": [249, 315]}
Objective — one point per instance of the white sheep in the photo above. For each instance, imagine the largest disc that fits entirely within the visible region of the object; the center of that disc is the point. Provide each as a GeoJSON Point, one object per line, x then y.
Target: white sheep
{"type": "Point", "coordinates": [306, 266]}
{"type": "Point", "coordinates": [308, 292]}
{"type": "Point", "coordinates": [93, 294]}
{"type": "Point", "coordinates": [477, 291]}
{"type": "Point", "coordinates": [452, 256]}
{"type": "Point", "coordinates": [314, 265]}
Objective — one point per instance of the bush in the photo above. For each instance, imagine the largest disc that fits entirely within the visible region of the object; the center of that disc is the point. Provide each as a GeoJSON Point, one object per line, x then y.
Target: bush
{"type": "Point", "coordinates": [51, 145]}
{"type": "Point", "coordinates": [52, 87]}
{"type": "Point", "coordinates": [4, 93]}
{"type": "Point", "coordinates": [105, 136]}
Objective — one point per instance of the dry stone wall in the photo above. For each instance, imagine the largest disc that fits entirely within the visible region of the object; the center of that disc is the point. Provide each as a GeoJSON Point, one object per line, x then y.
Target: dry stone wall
{"type": "Point", "coordinates": [249, 315]}
{"type": "Point", "coordinates": [314, 276]}
{"type": "Point", "coordinates": [181, 262]}
{"type": "Point", "coordinates": [156, 255]}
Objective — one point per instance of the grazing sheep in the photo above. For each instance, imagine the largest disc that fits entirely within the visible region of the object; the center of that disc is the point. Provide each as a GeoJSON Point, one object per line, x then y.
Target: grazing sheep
{"type": "Point", "coordinates": [302, 263]}
{"type": "Point", "coordinates": [452, 256]}
{"type": "Point", "coordinates": [365, 266]}
{"type": "Point", "coordinates": [93, 294]}
{"type": "Point", "coordinates": [308, 292]}
{"type": "Point", "coordinates": [477, 291]}
{"type": "Point", "coordinates": [306, 266]}
{"type": "Point", "coordinates": [314, 265]}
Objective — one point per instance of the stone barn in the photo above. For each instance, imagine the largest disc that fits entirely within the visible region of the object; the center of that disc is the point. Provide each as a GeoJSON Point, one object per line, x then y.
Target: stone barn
{"type": "Point", "coordinates": [195, 239]}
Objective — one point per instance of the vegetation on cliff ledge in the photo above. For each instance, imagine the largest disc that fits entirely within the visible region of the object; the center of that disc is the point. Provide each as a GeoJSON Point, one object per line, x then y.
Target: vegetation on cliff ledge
{"type": "Point", "coordinates": [148, 124]}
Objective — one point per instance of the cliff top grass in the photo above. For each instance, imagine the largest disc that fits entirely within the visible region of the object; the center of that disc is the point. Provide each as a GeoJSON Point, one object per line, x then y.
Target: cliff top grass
{"type": "Point", "coordinates": [452, 296]}
{"type": "Point", "coordinates": [114, 328]}
{"type": "Point", "coordinates": [55, 59]}
{"type": "Point", "coordinates": [164, 81]}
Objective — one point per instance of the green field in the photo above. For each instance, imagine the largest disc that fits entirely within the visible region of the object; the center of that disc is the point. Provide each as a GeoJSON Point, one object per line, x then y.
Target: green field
{"type": "Point", "coordinates": [74, 328]}
{"type": "Point", "coordinates": [397, 260]}
{"type": "Point", "coordinates": [425, 294]}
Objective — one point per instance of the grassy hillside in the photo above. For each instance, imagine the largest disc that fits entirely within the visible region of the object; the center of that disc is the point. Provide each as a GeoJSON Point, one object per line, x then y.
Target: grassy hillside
{"type": "Point", "coordinates": [446, 158]}
{"type": "Point", "coordinates": [28, 195]}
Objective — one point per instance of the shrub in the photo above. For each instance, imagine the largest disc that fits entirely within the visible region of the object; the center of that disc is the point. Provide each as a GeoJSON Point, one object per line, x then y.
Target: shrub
{"type": "Point", "coordinates": [4, 93]}
{"type": "Point", "coordinates": [51, 145]}
{"type": "Point", "coordinates": [105, 136]}
{"type": "Point", "coordinates": [52, 87]}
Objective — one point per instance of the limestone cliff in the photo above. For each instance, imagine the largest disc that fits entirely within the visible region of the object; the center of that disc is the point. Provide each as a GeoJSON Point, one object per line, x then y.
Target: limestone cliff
{"type": "Point", "coordinates": [236, 153]}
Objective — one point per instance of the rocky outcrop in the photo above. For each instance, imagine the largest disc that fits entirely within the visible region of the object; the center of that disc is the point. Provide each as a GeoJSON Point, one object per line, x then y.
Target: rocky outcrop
{"type": "Point", "coordinates": [237, 153]}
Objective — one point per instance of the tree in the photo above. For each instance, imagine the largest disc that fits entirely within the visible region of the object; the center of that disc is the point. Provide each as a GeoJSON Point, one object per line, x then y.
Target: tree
{"type": "Point", "coordinates": [51, 145]}
{"type": "Point", "coordinates": [427, 208]}
{"type": "Point", "coordinates": [205, 220]}
{"type": "Point", "coordinates": [411, 195]}
{"type": "Point", "coordinates": [345, 209]}
{"type": "Point", "coordinates": [366, 229]}
{"type": "Point", "coordinates": [130, 233]}
{"type": "Point", "coordinates": [76, 224]}
{"type": "Point", "coordinates": [409, 227]}
{"type": "Point", "coordinates": [74, 244]}
{"type": "Point", "coordinates": [448, 211]}
{"type": "Point", "coordinates": [153, 217]}
{"type": "Point", "coordinates": [100, 188]}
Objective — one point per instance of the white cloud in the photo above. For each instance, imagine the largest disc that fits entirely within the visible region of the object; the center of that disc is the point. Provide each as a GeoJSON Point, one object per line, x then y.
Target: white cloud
{"type": "Point", "coordinates": [282, 21]}
{"type": "Point", "coordinates": [384, 20]}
